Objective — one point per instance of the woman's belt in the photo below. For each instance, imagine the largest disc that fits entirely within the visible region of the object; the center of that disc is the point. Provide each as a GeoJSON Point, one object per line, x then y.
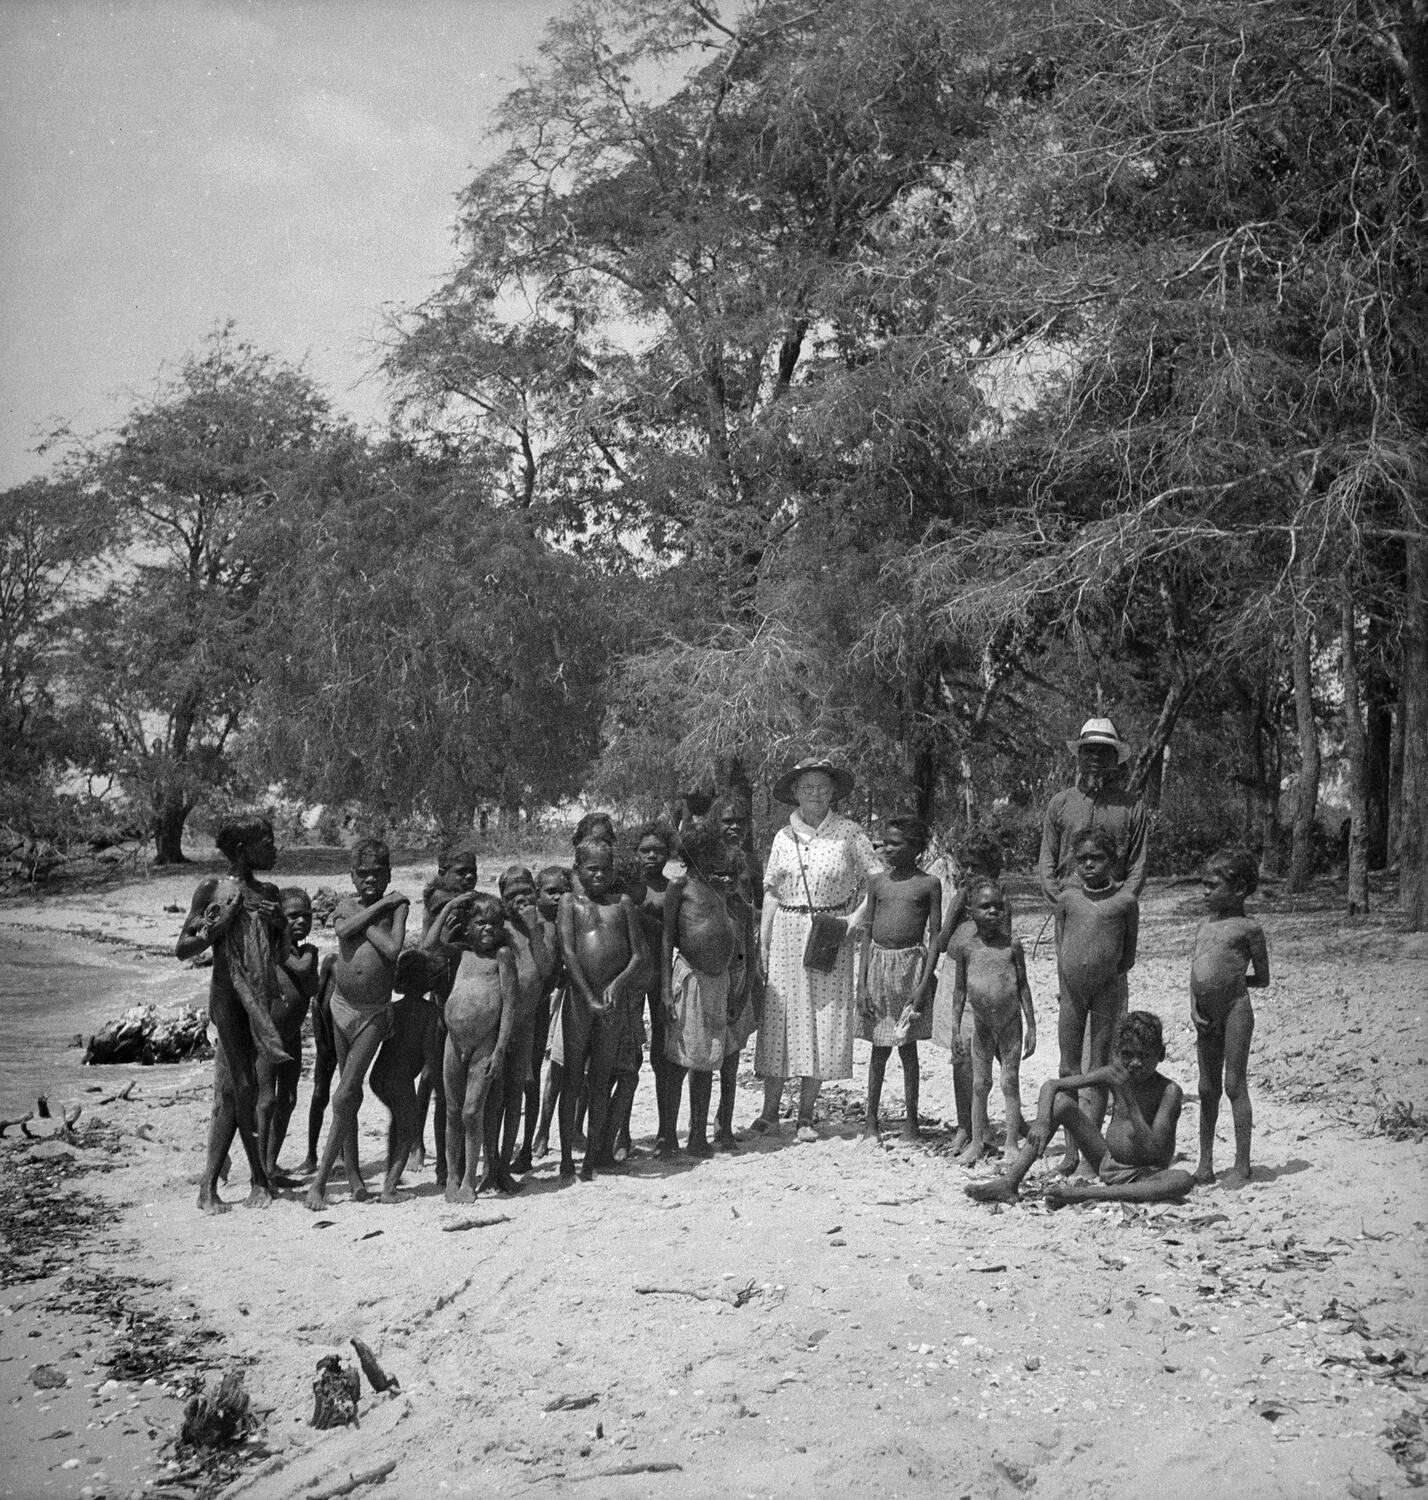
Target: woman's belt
{"type": "Point", "coordinates": [811, 911]}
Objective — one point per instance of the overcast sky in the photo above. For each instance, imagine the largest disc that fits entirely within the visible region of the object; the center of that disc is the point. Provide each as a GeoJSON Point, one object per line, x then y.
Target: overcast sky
{"type": "Point", "coordinates": [165, 164]}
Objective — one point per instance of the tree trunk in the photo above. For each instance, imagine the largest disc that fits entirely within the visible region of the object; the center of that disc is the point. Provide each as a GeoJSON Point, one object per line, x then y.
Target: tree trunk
{"type": "Point", "coordinates": [172, 814]}
{"type": "Point", "coordinates": [1177, 695]}
{"type": "Point", "coordinates": [1306, 793]}
{"type": "Point", "coordinates": [1378, 726]}
{"type": "Point", "coordinates": [1355, 754]}
{"type": "Point", "coordinates": [1413, 700]}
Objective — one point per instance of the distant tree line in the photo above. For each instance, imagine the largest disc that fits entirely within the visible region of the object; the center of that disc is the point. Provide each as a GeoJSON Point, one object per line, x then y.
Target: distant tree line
{"type": "Point", "coordinates": [899, 377]}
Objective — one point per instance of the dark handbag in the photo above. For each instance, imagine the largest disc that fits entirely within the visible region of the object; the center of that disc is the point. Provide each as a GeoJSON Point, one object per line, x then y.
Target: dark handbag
{"type": "Point", "coordinates": [826, 934]}
{"type": "Point", "coordinates": [825, 937]}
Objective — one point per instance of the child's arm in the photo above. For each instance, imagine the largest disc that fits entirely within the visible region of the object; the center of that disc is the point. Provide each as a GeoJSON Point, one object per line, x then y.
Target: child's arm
{"type": "Point", "coordinates": [865, 944]}
{"type": "Point", "coordinates": [198, 932]}
{"type": "Point", "coordinates": [959, 1000]}
{"type": "Point", "coordinates": [1130, 937]}
{"type": "Point", "coordinates": [534, 933]}
{"type": "Point", "coordinates": [766, 921]}
{"type": "Point", "coordinates": [1258, 976]}
{"type": "Point", "coordinates": [388, 940]}
{"type": "Point", "coordinates": [673, 898]}
{"type": "Point", "coordinates": [351, 926]}
{"type": "Point", "coordinates": [1153, 1140]}
{"type": "Point", "coordinates": [954, 916]}
{"type": "Point", "coordinates": [510, 1000]}
{"type": "Point", "coordinates": [436, 936]}
{"type": "Point", "coordinates": [639, 949]}
{"type": "Point", "coordinates": [1060, 926]}
{"type": "Point", "coordinates": [1028, 1010]}
{"type": "Point", "coordinates": [929, 964]}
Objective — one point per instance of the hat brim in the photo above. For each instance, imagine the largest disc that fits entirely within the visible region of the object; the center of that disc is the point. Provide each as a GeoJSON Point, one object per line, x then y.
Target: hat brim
{"type": "Point", "coordinates": [843, 781]}
{"type": "Point", "coordinates": [1122, 750]}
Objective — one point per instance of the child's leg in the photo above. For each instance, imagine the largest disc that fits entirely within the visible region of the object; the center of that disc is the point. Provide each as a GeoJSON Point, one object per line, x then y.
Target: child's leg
{"type": "Point", "coordinates": [511, 1087]}
{"type": "Point", "coordinates": [1210, 1054]}
{"type": "Point", "coordinates": [728, 1088]}
{"type": "Point", "coordinates": [550, 1100]}
{"type": "Point", "coordinates": [356, 1051]}
{"type": "Point", "coordinates": [962, 1077]}
{"type": "Point", "coordinates": [604, 1045]}
{"type": "Point", "coordinates": [577, 1023]}
{"type": "Point", "coordinates": [266, 1070]}
{"type": "Point", "coordinates": [1007, 1047]}
{"type": "Point", "coordinates": [287, 1087]}
{"type": "Point", "coordinates": [674, 1093]}
{"type": "Point", "coordinates": [1071, 1037]}
{"type": "Point", "coordinates": [767, 1117]}
{"type": "Point", "coordinates": [911, 1088]}
{"type": "Point", "coordinates": [616, 1147]}
{"type": "Point", "coordinates": [454, 1070]}
{"type": "Point", "coordinates": [1239, 1032]}
{"type": "Point", "coordinates": [701, 1087]}
{"type": "Point", "coordinates": [877, 1069]}
{"type": "Point", "coordinates": [473, 1119]}
{"type": "Point", "coordinates": [1100, 1028]}
{"type": "Point", "coordinates": [983, 1044]}
{"type": "Point", "coordinates": [324, 1065]}
{"type": "Point", "coordinates": [1065, 1114]}
{"type": "Point", "coordinates": [222, 1127]}
{"type": "Point", "coordinates": [235, 1039]}
{"type": "Point", "coordinates": [667, 1089]}
{"type": "Point", "coordinates": [808, 1089]}
{"type": "Point", "coordinates": [530, 1094]}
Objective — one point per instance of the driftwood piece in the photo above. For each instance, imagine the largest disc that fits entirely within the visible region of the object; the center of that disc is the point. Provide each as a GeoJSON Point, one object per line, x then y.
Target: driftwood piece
{"type": "Point", "coordinates": [20, 1120]}
{"type": "Point", "coordinates": [140, 1035]}
{"type": "Point", "coordinates": [654, 1466]}
{"type": "Point", "coordinates": [462, 1224]}
{"type": "Point", "coordinates": [377, 1377]}
{"type": "Point", "coordinates": [355, 1481]}
{"type": "Point", "coordinates": [335, 1393]}
{"type": "Point", "coordinates": [734, 1296]}
{"type": "Point", "coordinates": [571, 1403]}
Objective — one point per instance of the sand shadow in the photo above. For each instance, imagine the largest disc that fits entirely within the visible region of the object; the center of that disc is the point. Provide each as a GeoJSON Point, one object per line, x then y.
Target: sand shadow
{"type": "Point", "coordinates": [1285, 1169]}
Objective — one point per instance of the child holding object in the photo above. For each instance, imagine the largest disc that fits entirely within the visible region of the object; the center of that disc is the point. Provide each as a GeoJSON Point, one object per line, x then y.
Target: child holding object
{"type": "Point", "coordinates": [1231, 958]}
{"type": "Point", "coordinates": [991, 973]}
{"type": "Point", "coordinates": [895, 973]}
{"type": "Point", "coordinates": [1132, 1160]}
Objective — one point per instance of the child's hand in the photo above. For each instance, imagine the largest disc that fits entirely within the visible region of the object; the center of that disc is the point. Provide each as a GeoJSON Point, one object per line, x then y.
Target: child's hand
{"type": "Point", "coordinates": [1028, 1044]}
{"type": "Point", "coordinates": [1038, 1136]}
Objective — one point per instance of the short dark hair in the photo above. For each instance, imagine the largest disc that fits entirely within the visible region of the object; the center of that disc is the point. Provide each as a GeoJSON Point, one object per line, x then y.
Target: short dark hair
{"type": "Point", "coordinates": [1238, 866]}
{"type": "Point", "coordinates": [654, 829]}
{"type": "Point", "coordinates": [1095, 838]}
{"type": "Point", "coordinates": [294, 893]}
{"type": "Point", "coordinates": [450, 858]}
{"type": "Point", "coordinates": [700, 842]}
{"type": "Point", "coordinates": [483, 901]}
{"type": "Point", "coordinates": [589, 846]}
{"type": "Point", "coordinates": [373, 850]}
{"type": "Point", "coordinates": [980, 851]}
{"type": "Point", "coordinates": [913, 829]}
{"type": "Point", "coordinates": [590, 822]}
{"type": "Point", "coordinates": [411, 968]}
{"type": "Point", "coordinates": [984, 883]}
{"type": "Point", "coordinates": [546, 871]}
{"type": "Point", "coordinates": [514, 875]}
{"type": "Point", "coordinates": [238, 833]}
{"type": "Point", "coordinates": [1141, 1026]}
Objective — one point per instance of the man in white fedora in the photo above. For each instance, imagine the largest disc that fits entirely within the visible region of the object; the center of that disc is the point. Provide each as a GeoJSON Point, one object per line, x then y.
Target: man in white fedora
{"type": "Point", "coordinates": [1098, 800]}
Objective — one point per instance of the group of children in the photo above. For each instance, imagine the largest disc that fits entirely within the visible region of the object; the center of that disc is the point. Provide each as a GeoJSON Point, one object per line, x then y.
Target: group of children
{"type": "Point", "coordinates": [558, 969]}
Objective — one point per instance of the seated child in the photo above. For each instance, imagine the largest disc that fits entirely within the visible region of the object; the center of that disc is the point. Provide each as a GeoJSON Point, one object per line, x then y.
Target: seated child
{"type": "Point", "coordinates": [604, 953]}
{"type": "Point", "coordinates": [1097, 924]}
{"type": "Point", "coordinates": [978, 857]}
{"type": "Point", "coordinates": [370, 927]}
{"type": "Point", "coordinates": [991, 973]}
{"type": "Point", "coordinates": [895, 973]}
{"type": "Point", "coordinates": [697, 948]}
{"type": "Point", "coordinates": [401, 1060]}
{"type": "Point", "coordinates": [480, 1015]}
{"type": "Point", "coordinates": [1132, 1160]}
{"type": "Point", "coordinates": [548, 1043]}
{"type": "Point", "coordinates": [1231, 958]}
{"type": "Point", "coordinates": [297, 985]}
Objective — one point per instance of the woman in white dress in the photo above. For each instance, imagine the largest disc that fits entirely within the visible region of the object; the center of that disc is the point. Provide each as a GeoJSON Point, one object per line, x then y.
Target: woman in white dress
{"type": "Point", "coordinates": [819, 862]}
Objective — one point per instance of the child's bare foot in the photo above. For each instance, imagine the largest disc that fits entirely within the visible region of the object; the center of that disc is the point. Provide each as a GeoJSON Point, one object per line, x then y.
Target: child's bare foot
{"type": "Point", "coordinates": [316, 1199]}
{"type": "Point", "coordinates": [260, 1195]}
{"type": "Point", "coordinates": [503, 1183]}
{"type": "Point", "coordinates": [762, 1125]}
{"type": "Point", "coordinates": [540, 1147]}
{"type": "Point", "coordinates": [441, 1179]}
{"type": "Point", "coordinates": [567, 1167]}
{"type": "Point", "coordinates": [975, 1151]}
{"type": "Point", "coordinates": [1204, 1173]}
{"type": "Point", "coordinates": [210, 1202]}
{"type": "Point", "coordinates": [1068, 1163]}
{"type": "Point", "coordinates": [1235, 1178]}
{"type": "Point", "coordinates": [960, 1138]}
{"type": "Point", "coordinates": [361, 1193]}
{"type": "Point", "coordinates": [458, 1192]}
{"type": "Point", "coordinates": [390, 1195]}
{"type": "Point", "coordinates": [1085, 1172]}
{"type": "Point", "coordinates": [725, 1141]}
{"type": "Point", "coordinates": [522, 1161]}
{"type": "Point", "coordinates": [870, 1136]}
{"type": "Point", "coordinates": [587, 1171]}
{"type": "Point", "coordinates": [307, 1167]}
{"type": "Point", "coordinates": [993, 1190]}
{"type": "Point", "coordinates": [665, 1147]}
{"type": "Point", "coordinates": [284, 1180]}
{"type": "Point", "coordinates": [699, 1146]}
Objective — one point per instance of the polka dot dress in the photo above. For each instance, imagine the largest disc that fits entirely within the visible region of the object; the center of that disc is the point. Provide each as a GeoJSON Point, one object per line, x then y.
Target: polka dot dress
{"type": "Point", "coordinates": [810, 1019]}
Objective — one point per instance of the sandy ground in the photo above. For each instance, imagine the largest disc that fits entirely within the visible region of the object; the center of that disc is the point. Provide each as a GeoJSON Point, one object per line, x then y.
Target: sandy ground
{"type": "Point", "coordinates": [787, 1321]}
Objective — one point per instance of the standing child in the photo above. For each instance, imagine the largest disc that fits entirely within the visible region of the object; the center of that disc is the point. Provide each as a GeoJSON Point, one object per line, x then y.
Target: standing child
{"type": "Point", "coordinates": [652, 850]}
{"type": "Point", "coordinates": [697, 948]}
{"type": "Point", "coordinates": [297, 985]}
{"type": "Point", "coordinates": [1097, 924]}
{"type": "Point", "coordinates": [746, 1001]}
{"type": "Point", "coordinates": [1132, 1161]}
{"type": "Point", "coordinates": [1231, 958]}
{"type": "Point", "coordinates": [324, 1062]}
{"type": "Point", "coordinates": [895, 973]}
{"type": "Point", "coordinates": [552, 883]}
{"type": "Point", "coordinates": [241, 919]}
{"type": "Point", "coordinates": [991, 973]}
{"type": "Point", "coordinates": [401, 1060]}
{"type": "Point", "coordinates": [480, 1014]}
{"type": "Point", "coordinates": [978, 858]}
{"type": "Point", "coordinates": [604, 953]}
{"type": "Point", "coordinates": [370, 927]}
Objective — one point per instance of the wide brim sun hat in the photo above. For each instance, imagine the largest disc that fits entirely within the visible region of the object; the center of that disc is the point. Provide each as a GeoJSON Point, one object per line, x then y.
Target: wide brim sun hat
{"type": "Point", "coordinates": [1100, 732]}
{"type": "Point", "coordinates": [842, 780]}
